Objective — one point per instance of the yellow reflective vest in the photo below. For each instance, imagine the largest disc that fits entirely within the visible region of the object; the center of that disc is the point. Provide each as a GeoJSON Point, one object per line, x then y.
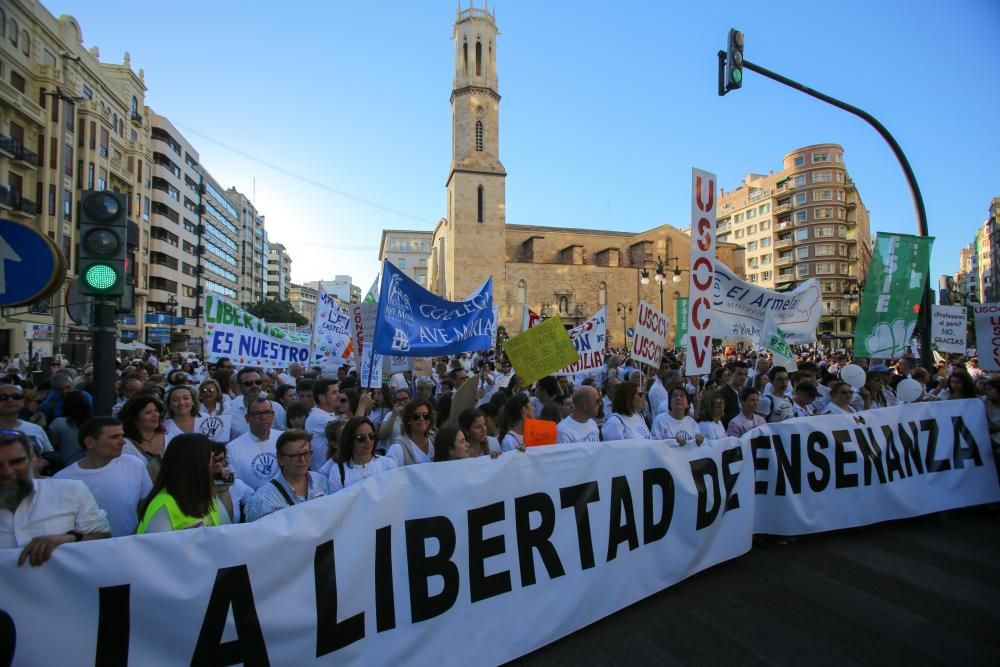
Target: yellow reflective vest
{"type": "Point", "coordinates": [178, 519]}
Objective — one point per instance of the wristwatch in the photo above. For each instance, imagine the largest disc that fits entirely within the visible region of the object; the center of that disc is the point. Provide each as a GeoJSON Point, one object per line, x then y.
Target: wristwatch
{"type": "Point", "coordinates": [77, 535]}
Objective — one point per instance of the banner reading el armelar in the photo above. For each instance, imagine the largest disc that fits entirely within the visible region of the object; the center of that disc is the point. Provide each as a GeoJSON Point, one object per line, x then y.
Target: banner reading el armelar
{"type": "Point", "coordinates": [895, 285]}
{"type": "Point", "coordinates": [247, 340]}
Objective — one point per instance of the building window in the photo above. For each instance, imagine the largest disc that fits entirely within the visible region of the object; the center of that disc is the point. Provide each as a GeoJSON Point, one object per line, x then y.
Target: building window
{"type": "Point", "coordinates": [800, 180]}
{"type": "Point", "coordinates": [821, 177]}
{"type": "Point", "coordinates": [765, 225]}
{"type": "Point", "coordinates": [25, 43]}
{"type": "Point", "coordinates": [802, 270]}
{"type": "Point", "coordinates": [822, 195]}
{"type": "Point", "coordinates": [480, 196]}
{"type": "Point", "coordinates": [765, 275]}
{"type": "Point", "coordinates": [479, 58]}
{"type": "Point", "coordinates": [840, 176]}
{"type": "Point", "coordinates": [765, 242]}
{"type": "Point", "coordinates": [18, 82]}
{"type": "Point", "coordinates": [522, 291]}
{"type": "Point", "coordinates": [12, 29]}
{"type": "Point", "coordinates": [134, 107]}
{"type": "Point", "coordinates": [824, 250]}
{"type": "Point", "coordinates": [822, 213]}
{"type": "Point", "coordinates": [479, 136]}
{"type": "Point", "coordinates": [799, 161]}
{"type": "Point", "coordinates": [465, 58]}
{"type": "Point", "coordinates": [751, 213]}
{"type": "Point", "coordinates": [824, 232]}
{"type": "Point", "coordinates": [738, 218]}
{"type": "Point", "coordinates": [802, 252]}
{"type": "Point", "coordinates": [739, 233]}
{"type": "Point", "coordinates": [801, 234]}
{"type": "Point", "coordinates": [800, 198]}
{"type": "Point", "coordinates": [764, 209]}
{"type": "Point", "coordinates": [752, 246]}
{"type": "Point", "coordinates": [751, 229]}
{"type": "Point", "coordinates": [801, 216]}
{"type": "Point", "coordinates": [602, 294]}
{"type": "Point", "coordinates": [821, 157]}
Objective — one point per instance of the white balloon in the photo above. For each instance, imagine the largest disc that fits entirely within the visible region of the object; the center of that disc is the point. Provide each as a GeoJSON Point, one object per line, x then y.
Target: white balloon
{"type": "Point", "coordinates": [853, 375]}
{"type": "Point", "coordinates": [909, 390]}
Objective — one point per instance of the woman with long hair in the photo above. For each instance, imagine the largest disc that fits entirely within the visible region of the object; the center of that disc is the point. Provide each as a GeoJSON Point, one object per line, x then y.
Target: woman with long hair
{"type": "Point", "coordinates": [210, 398]}
{"type": "Point", "coordinates": [472, 421]}
{"type": "Point", "coordinates": [381, 406]}
{"type": "Point", "coordinates": [356, 457]}
{"type": "Point", "coordinates": [709, 416]}
{"type": "Point", "coordinates": [416, 443]}
{"type": "Point", "coordinates": [515, 411]}
{"type": "Point", "coordinates": [64, 432]}
{"type": "Point", "coordinates": [142, 421]}
{"type": "Point", "coordinates": [451, 444]}
{"type": "Point", "coordinates": [182, 495]}
{"type": "Point", "coordinates": [182, 411]}
{"type": "Point", "coordinates": [285, 394]}
{"type": "Point", "coordinates": [625, 421]}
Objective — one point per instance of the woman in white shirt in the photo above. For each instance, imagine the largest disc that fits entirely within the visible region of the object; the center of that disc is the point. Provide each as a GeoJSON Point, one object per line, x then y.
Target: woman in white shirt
{"type": "Point", "coordinates": [211, 399]}
{"type": "Point", "coordinates": [626, 421]}
{"type": "Point", "coordinates": [356, 458]}
{"type": "Point", "coordinates": [182, 410]}
{"type": "Point", "coordinates": [473, 424]}
{"type": "Point", "coordinates": [515, 411]}
{"type": "Point", "coordinates": [710, 412]}
{"type": "Point", "coordinates": [840, 399]}
{"type": "Point", "coordinates": [676, 424]}
{"type": "Point", "coordinates": [416, 443]}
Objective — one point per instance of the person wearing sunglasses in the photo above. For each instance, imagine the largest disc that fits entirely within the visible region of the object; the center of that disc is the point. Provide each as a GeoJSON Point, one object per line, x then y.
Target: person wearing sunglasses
{"type": "Point", "coordinates": [252, 456]}
{"type": "Point", "coordinates": [39, 515]}
{"type": "Point", "coordinates": [252, 386]}
{"type": "Point", "coordinates": [11, 403]}
{"type": "Point", "coordinates": [416, 443]}
{"type": "Point", "coordinates": [356, 458]}
{"type": "Point", "coordinates": [295, 484]}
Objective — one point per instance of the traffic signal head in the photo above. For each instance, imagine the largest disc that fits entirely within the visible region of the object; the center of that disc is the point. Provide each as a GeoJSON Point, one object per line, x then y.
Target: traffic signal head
{"type": "Point", "coordinates": [734, 60]}
{"type": "Point", "coordinates": [102, 243]}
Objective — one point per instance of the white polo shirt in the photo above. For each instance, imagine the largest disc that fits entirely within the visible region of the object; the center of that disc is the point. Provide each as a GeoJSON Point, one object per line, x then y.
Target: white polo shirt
{"type": "Point", "coordinates": [54, 507]}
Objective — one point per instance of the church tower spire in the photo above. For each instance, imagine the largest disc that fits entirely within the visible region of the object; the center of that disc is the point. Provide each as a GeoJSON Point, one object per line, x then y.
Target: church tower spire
{"type": "Point", "coordinates": [470, 241]}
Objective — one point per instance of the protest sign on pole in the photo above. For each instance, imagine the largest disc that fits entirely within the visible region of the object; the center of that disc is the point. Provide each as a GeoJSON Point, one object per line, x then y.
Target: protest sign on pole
{"type": "Point", "coordinates": [589, 339]}
{"type": "Point", "coordinates": [893, 292]}
{"type": "Point", "coordinates": [541, 350]}
{"type": "Point", "coordinates": [698, 359]}
{"type": "Point", "coordinates": [738, 308]}
{"type": "Point", "coordinates": [987, 318]}
{"type": "Point", "coordinates": [248, 340]}
{"type": "Point", "coordinates": [680, 320]}
{"type": "Point", "coordinates": [413, 322]}
{"type": "Point", "coordinates": [332, 346]}
{"type": "Point", "coordinates": [650, 335]}
{"type": "Point", "coordinates": [948, 324]}
{"type": "Point", "coordinates": [369, 365]}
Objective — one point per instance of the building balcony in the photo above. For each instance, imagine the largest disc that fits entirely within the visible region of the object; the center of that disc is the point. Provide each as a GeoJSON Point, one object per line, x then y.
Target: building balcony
{"type": "Point", "coordinates": [781, 208]}
{"type": "Point", "coordinates": [783, 243]}
{"type": "Point", "coordinates": [21, 102]}
{"type": "Point", "coordinates": [18, 204]}
{"type": "Point", "coordinates": [6, 198]}
{"type": "Point", "coordinates": [785, 261]}
{"type": "Point", "coordinates": [8, 146]}
{"type": "Point", "coordinates": [784, 225]}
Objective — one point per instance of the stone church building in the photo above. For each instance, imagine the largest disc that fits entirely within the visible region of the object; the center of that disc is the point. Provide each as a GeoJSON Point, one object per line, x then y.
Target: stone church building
{"type": "Point", "coordinates": [556, 271]}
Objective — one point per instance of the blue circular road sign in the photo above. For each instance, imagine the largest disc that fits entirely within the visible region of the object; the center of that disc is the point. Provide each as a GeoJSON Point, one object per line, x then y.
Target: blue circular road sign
{"type": "Point", "coordinates": [31, 266]}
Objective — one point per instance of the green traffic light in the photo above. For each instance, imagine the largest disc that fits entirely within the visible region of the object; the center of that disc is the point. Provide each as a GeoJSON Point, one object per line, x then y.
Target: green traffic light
{"type": "Point", "coordinates": [736, 76]}
{"type": "Point", "coordinates": [100, 277]}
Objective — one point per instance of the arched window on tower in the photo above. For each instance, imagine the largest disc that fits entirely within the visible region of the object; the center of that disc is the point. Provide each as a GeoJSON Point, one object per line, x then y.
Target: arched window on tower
{"type": "Point", "coordinates": [602, 294]}
{"type": "Point", "coordinates": [465, 57]}
{"type": "Point", "coordinates": [522, 291]}
{"type": "Point", "coordinates": [480, 196]}
{"type": "Point", "coordinates": [135, 106]}
{"type": "Point", "coordinates": [479, 136]}
{"type": "Point", "coordinates": [479, 58]}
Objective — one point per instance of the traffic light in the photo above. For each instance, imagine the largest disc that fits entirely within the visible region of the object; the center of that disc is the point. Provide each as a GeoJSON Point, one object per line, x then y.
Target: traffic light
{"type": "Point", "coordinates": [734, 60]}
{"type": "Point", "coordinates": [102, 243]}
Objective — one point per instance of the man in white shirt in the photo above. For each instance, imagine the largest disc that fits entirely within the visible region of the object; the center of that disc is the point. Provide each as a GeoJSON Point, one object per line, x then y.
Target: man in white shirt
{"type": "Point", "coordinates": [252, 456]}
{"type": "Point", "coordinates": [505, 374]}
{"type": "Point", "coordinates": [776, 402]}
{"type": "Point", "coordinates": [580, 425]}
{"type": "Point", "coordinates": [119, 483]}
{"type": "Point", "coordinates": [11, 403]}
{"type": "Point", "coordinates": [251, 382]}
{"type": "Point", "coordinates": [40, 515]}
{"type": "Point", "coordinates": [326, 393]}
{"type": "Point", "coordinates": [658, 398]}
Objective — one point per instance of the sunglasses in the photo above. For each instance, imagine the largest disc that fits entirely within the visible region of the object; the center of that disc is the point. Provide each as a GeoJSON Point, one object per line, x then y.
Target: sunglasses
{"type": "Point", "coordinates": [11, 397]}
{"type": "Point", "coordinates": [364, 437]}
{"type": "Point", "coordinates": [421, 416]}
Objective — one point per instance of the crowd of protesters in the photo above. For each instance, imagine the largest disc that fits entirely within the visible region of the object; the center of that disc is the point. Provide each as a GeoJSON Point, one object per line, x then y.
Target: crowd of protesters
{"type": "Point", "coordinates": [298, 434]}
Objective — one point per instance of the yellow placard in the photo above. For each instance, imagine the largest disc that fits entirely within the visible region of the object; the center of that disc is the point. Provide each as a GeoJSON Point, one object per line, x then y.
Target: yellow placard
{"type": "Point", "coordinates": [541, 350]}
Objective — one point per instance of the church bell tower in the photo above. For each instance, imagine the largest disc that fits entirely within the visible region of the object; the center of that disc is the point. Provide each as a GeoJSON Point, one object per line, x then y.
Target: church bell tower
{"type": "Point", "coordinates": [470, 242]}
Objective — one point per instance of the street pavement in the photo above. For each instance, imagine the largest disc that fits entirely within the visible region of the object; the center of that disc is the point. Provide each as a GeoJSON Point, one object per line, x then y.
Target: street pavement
{"type": "Point", "coordinates": [922, 591]}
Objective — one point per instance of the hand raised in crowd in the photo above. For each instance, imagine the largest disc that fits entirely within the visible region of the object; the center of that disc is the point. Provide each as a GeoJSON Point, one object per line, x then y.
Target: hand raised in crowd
{"type": "Point", "coordinates": [364, 403]}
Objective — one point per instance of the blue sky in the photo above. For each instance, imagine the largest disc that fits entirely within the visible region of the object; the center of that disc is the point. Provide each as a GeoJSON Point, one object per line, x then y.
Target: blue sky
{"type": "Point", "coordinates": [606, 107]}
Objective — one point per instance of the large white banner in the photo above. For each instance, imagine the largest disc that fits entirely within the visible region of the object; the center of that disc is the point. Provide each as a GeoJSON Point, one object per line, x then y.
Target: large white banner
{"type": "Point", "coordinates": [842, 471]}
{"type": "Point", "coordinates": [589, 338]}
{"type": "Point", "coordinates": [247, 340]}
{"type": "Point", "coordinates": [698, 340]}
{"type": "Point", "coordinates": [332, 345]}
{"type": "Point", "coordinates": [508, 554]}
{"type": "Point", "coordinates": [650, 335]}
{"type": "Point", "coordinates": [390, 571]}
{"type": "Point", "coordinates": [739, 307]}
{"type": "Point", "coordinates": [987, 335]}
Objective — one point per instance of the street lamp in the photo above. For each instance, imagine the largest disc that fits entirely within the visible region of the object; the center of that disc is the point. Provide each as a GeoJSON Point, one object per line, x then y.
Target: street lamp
{"type": "Point", "coordinates": [172, 311]}
{"type": "Point", "coordinates": [624, 310]}
{"type": "Point", "coordinates": [661, 274]}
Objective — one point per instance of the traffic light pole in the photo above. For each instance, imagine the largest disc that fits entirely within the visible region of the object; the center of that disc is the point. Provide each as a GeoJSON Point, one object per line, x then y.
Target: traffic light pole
{"type": "Point", "coordinates": [924, 317]}
{"type": "Point", "coordinates": [105, 330]}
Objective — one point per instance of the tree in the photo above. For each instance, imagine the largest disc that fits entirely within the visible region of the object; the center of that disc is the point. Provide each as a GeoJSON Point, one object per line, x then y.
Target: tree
{"type": "Point", "coordinates": [274, 310]}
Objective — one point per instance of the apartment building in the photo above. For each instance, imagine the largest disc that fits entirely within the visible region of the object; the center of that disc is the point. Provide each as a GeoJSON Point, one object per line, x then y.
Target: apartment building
{"type": "Point", "coordinates": [341, 287]}
{"type": "Point", "coordinates": [68, 122]}
{"type": "Point", "coordinates": [254, 250]}
{"type": "Point", "coordinates": [303, 299]}
{"type": "Point", "coordinates": [279, 273]}
{"type": "Point", "coordinates": [407, 249]}
{"type": "Point", "coordinates": [805, 221]}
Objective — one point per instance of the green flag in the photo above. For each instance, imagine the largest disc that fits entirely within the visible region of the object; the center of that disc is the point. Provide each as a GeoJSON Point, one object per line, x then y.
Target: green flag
{"type": "Point", "coordinates": [680, 320]}
{"type": "Point", "coordinates": [897, 278]}
{"type": "Point", "coordinates": [772, 339]}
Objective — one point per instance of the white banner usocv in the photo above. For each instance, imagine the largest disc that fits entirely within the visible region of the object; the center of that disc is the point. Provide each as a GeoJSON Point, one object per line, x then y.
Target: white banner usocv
{"type": "Point", "coordinates": [987, 316]}
{"type": "Point", "coordinates": [332, 344]}
{"type": "Point", "coordinates": [390, 571]}
{"type": "Point", "coordinates": [247, 340]}
{"type": "Point", "coordinates": [698, 340]}
{"type": "Point", "coordinates": [739, 308]}
{"type": "Point", "coordinates": [650, 335]}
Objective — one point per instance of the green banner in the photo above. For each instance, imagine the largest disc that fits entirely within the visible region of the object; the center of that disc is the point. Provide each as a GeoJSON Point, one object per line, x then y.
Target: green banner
{"type": "Point", "coordinates": [897, 278]}
{"type": "Point", "coordinates": [680, 320]}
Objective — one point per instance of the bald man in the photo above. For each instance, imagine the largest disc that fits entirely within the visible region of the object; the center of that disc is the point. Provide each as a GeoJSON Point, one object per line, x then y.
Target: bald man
{"type": "Point", "coordinates": [580, 426]}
